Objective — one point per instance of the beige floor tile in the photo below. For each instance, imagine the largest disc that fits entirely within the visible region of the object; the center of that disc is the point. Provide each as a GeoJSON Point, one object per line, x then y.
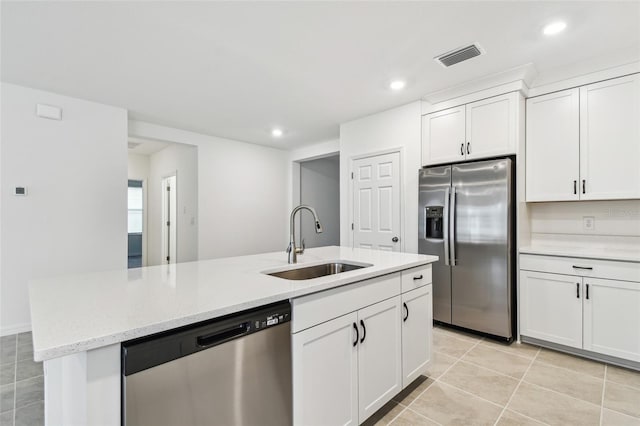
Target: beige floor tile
{"type": "Point", "coordinates": [622, 398]}
{"type": "Point", "coordinates": [571, 362]}
{"type": "Point", "coordinates": [623, 376]}
{"type": "Point", "coordinates": [451, 345]}
{"type": "Point", "coordinates": [411, 392]}
{"type": "Point", "coordinates": [411, 418]}
{"type": "Point", "coordinates": [553, 408]}
{"type": "Point", "coordinates": [457, 333]}
{"type": "Point", "coordinates": [509, 418]}
{"type": "Point", "coordinates": [613, 418]}
{"type": "Point", "coordinates": [578, 385]}
{"type": "Point", "coordinates": [449, 406]}
{"type": "Point", "coordinates": [385, 415]}
{"type": "Point", "coordinates": [481, 382]}
{"type": "Point", "coordinates": [522, 349]}
{"type": "Point", "coordinates": [509, 364]}
{"type": "Point", "coordinates": [439, 364]}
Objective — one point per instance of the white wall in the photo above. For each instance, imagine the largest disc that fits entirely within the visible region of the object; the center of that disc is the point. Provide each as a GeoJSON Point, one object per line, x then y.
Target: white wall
{"type": "Point", "coordinates": [74, 217]}
{"type": "Point", "coordinates": [181, 160]}
{"type": "Point", "coordinates": [395, 128]}
{"type": "Point", "coordinates": [320, 189]}
{"type": "Point", "coordinates": [242, 192]}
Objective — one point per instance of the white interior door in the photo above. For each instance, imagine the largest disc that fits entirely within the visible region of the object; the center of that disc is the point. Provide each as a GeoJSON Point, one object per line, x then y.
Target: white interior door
{"type": "Point", "coordinates": [376, 202]}
{"type": "Point", "coordinates": [169, 220]}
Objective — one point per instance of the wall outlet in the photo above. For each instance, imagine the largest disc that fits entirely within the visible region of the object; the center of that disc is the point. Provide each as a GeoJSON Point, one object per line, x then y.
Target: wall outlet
{"type": "Point", "coordinates": [588, 223]}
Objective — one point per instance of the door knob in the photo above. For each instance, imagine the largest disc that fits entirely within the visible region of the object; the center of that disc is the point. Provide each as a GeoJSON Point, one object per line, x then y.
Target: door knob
{"type": "Point", "coordinates": [394, 239]}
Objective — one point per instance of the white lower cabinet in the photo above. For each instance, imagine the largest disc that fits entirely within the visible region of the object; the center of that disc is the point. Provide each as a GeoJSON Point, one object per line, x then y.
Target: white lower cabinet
{"type": "Point", "coordinates": [416, 338]}
{"type": "Point", "coordinates": [379, 355]}
{"type": "Point", "coordinates": [551, 307]}
{"type": "Point", "coordinates": [325, 379]}
{"type": "Point", "coordinates": [346, 368]}
{"type": "Point", "coordinates": [612, 318]}
{"type": "Point", "coordinates": [600, 315]}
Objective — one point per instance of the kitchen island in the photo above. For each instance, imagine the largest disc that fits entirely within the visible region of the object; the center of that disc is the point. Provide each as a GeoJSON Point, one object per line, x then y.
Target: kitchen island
{"type": "Point", "coordinates": [80, 321]}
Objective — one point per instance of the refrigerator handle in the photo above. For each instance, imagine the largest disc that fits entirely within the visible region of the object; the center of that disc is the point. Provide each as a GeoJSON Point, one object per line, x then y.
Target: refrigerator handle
{"type": "Point", "coordinates": [445, 222]}
{"type": "Point", "coordinates": [452, 226]}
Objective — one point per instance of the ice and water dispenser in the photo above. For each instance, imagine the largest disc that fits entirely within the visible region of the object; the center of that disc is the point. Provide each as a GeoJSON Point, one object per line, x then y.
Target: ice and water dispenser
{"type": "Point", "coordinates": [434, 222]}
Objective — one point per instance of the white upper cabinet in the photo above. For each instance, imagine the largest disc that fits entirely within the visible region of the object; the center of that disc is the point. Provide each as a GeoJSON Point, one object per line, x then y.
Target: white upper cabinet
{"type": "Point", "coordinates": [553, 139]}
{"type": "Point", "coordinates": [481, 129]}
{"type": "Point", "coordinates": [610, 139]}
{"type": "Point", "coordinates": [491, 127]}
{"type": "Point", "coordinates": [584, 143]}
{"type": "Point", "coordinates": [443, 136]}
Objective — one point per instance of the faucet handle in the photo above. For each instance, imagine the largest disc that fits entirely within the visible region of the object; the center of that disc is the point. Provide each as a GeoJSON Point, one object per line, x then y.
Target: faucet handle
{"type": "Point", "coordinates": [300, 250]}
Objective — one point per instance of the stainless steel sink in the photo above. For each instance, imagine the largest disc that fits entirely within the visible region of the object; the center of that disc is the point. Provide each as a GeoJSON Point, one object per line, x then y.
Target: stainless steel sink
{"type": "Point", "coordinates": [317, 271]}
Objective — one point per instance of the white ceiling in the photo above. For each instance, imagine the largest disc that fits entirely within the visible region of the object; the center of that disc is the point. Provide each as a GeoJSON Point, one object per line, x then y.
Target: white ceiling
{"type": "Point", "coordinates": [237, 69]}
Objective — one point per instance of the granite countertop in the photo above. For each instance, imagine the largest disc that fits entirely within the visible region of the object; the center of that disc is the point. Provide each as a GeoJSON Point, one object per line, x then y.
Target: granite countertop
{"type": "Point", "coordinates": [586, 252]}
{"type": "Point", "coordinates": [71, 314]}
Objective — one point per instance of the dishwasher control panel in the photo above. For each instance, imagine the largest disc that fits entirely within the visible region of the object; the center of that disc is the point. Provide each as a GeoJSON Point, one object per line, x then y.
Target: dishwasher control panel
{"type": "Point", "coordinates": [147, 352]}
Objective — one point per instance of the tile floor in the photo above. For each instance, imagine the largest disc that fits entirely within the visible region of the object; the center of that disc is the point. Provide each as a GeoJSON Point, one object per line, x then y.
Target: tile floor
{"type": "Point", "coordinates": [474, 381]}
{"type": "Point", "coordinates": [21, 383]}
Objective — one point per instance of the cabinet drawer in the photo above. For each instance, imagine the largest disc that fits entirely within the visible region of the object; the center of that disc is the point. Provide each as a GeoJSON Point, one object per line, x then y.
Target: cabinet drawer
{"type": "Point", "coordinates": [416, 277]}
{"type": "Point", "coordinates": [625, 271]}
{"type": "Point", "coordinates": [319, 307]}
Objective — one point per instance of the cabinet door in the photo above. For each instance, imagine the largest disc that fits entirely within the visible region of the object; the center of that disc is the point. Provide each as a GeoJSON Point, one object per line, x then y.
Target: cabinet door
{"type": "Point", "coordinates": [417, 324]}
{"type": "Point", "coordinates": [552, 145]}
{"type": "Point", "coordinates": [610, 139]}
{"type": "Point", "coordinates": [612, 318]}
{"type": "Point", "coordinates": [325, 373]}
{"type": "Point", "coordinates": [491, 126]}
{"type": "Point", "coordinates": [379, 355]}
{"type": "Point", "coordinates": [551, 307]}
{"type": "Point", "coordinates": [443, 136]}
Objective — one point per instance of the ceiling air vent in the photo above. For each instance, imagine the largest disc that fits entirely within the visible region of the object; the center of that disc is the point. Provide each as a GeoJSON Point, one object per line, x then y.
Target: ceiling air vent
{"type": "Point", "coordinates": [133, 145]}
{"type": "Point", "coordinates": [462, 54]}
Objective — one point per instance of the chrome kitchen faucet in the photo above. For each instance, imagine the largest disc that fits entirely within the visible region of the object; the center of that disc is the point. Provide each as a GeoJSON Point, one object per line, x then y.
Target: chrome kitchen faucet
{"type": "Point", "coordinates": [292, 250]}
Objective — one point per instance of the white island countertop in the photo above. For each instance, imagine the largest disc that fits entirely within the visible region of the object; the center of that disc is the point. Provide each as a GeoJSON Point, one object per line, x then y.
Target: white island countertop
{"type": "Point", "coordinates": [71, 314]}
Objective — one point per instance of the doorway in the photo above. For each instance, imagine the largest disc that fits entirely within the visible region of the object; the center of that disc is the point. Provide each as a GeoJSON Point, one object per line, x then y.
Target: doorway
{"type": "Point", "coordinates": [169, 219]}
{"type": "Point", "coordinates": [135, 223]}
{"type": "Point", "coordinates": [376, 202]}
{"type": "Point", "coordinates": [320, 189]}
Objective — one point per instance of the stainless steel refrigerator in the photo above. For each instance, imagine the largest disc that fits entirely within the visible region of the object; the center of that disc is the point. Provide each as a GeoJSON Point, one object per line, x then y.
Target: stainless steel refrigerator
{"type": "Point", "coordinates": [467, 218]}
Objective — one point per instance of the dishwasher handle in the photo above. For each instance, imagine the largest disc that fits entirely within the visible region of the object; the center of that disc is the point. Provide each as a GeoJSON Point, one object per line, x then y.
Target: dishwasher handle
{"type": "Point", "coordinates": [224, 335]}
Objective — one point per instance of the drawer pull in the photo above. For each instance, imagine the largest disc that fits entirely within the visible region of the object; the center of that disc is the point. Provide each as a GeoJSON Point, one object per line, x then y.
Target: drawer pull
{"type": "Point", "coordinates": [418, 277]}
{"type": "Point", "coordinates": [587, 268]}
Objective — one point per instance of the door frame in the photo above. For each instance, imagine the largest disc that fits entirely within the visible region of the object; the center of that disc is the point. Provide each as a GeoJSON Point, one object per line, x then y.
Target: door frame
{"type": "Point", "coordinates": [350, 205]}
{"type": "Point", "coordinates": [174, 222]}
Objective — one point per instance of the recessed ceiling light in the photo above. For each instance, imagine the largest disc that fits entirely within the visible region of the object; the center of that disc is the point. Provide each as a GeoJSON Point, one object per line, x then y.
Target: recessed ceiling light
{"type": "Point", "coordinates": [554, 28]}
{"type": "Point", "coordinates": [276, 132]}
{"type": "Point", "coordinates": [397, 85]}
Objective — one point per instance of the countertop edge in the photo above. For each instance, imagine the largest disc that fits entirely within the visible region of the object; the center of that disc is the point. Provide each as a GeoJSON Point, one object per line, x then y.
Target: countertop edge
{"type": "Point", "coordinates": [565, 252]}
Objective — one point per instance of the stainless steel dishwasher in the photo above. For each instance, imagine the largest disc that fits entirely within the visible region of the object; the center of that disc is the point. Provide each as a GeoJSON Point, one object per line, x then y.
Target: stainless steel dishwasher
{"type": "Point", "coordinates": [235, 370]}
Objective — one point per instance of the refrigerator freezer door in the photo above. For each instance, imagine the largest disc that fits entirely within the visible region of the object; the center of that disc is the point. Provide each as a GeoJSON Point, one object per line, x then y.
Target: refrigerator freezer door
{"type": "Point", "coordinates": [481, 277]}
{"type": "Point", "coordinates": [433, 235]}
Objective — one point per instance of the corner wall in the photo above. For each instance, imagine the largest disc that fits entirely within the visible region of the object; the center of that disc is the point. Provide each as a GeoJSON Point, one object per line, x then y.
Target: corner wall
{"type": "Point", "coordinates": [395, 128]}
{"type": "Point", "coordinates": [73, 218]}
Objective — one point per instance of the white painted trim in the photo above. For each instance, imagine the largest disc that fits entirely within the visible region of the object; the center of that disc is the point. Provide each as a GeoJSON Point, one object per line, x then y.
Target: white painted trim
{"type": "Point", "coordinates": [400, 151]}
{"type": "Point", "coordinates": [606, 74]}
{"type": "Point", "coordinates": [514, 86]}
{"type": "Point", "coordinates": [15, 329]}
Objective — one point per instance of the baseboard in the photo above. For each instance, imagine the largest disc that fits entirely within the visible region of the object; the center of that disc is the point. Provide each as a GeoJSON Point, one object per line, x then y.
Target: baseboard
{"type": "Point", "coordinates": [633, 365]}
{"type": "Point", "coordinates": [15, 329]}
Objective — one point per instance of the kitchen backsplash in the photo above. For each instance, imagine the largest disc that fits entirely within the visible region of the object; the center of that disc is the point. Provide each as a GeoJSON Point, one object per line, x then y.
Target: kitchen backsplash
{"type": "Point", "coordinates": [618, 218]}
